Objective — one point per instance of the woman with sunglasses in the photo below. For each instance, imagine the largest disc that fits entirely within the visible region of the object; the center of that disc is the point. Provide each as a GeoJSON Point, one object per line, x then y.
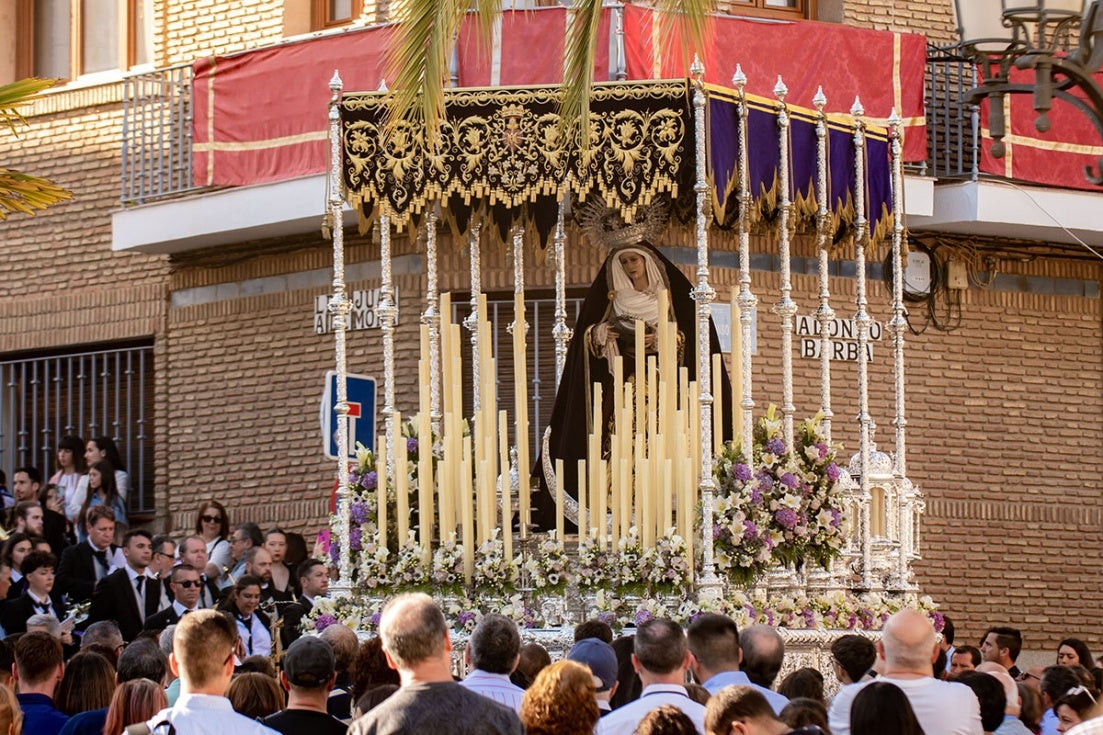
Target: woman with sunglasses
{"type": "Point", "coordinates": [253, 626]}
{"type": "Point", "coordinates": [212, 524]}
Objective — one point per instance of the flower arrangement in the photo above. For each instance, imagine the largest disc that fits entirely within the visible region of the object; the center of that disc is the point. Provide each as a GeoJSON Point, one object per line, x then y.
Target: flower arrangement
{"type": "Point", "coordinates": [837, 611]}
{"type": "Point", "coordinates": [666, 563]}
{"type": "Point", "coordinates": [785, 507]}
{"type": "Point", "coordinates": [493, 571]}
{"type": "Point", "coordinates": [410, 571]}
{"type": "Point", "coordinates": [361, 614]}
{"type": "Point", "coordinates": [628, 574]}
{"type": "Point", "coordinates": [547, 571]}
{"type": "Point", "coordinates": [447, 568]}
{"type": "Point", "coordinates": [596, 567]}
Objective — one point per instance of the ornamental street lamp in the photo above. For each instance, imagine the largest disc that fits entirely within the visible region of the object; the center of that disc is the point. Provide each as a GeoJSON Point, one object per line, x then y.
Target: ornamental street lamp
{"type": "Point", "coordinates": [999, 35]}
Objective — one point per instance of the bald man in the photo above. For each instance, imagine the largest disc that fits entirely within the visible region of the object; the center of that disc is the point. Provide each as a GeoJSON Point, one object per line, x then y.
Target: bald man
{"type": "Point", "coordinates": [416, 643]}
{"type": "Point", "coordinates": [908, 649]}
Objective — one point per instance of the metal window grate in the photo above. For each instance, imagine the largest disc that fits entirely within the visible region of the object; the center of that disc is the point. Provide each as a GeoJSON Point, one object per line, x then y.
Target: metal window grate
{"type": "Point", "coordinates": [87, 394]}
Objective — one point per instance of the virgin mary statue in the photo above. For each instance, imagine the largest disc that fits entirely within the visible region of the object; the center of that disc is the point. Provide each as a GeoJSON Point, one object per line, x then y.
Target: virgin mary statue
{"type": "Point", "coordinates": [625, 290]}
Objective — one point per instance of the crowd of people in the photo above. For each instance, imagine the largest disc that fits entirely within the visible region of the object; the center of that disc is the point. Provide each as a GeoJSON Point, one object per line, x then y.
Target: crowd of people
{"type": "Point", "coordinates": [109, 629]}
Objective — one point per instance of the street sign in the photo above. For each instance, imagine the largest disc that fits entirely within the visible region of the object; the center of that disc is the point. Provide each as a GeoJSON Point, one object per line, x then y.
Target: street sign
{"type": "Point", "coordinates": [361, 416]}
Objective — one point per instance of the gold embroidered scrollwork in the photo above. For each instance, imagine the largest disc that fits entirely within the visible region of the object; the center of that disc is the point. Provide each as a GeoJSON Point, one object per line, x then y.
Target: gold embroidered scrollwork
{"type": "Point", "coordinates": [505, 146]}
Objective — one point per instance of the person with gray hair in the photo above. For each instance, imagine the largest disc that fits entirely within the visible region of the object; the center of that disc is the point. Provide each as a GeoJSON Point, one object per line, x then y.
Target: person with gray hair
{"type": "Point", "coordinates": [46, 623]}
{"type": "Point", "coordinates": [493, 652]}
{"type": "Point", "coordinates": [105, 633]}
{"type": "Point", "coordinates": [763, 654]}
{"type": "Point", "coordinates": [172, 690]}
{"type": "Point", "coordinates": [417, 644]}
{"type": "Point", "coordinates": [660, 656]}
{"type": "Point", "coordinates": [909, 647]}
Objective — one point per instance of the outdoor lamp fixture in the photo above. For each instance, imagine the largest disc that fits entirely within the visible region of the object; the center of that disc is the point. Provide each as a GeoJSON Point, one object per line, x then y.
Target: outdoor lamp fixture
{"type": "Point", "coordinates": [999, 35]}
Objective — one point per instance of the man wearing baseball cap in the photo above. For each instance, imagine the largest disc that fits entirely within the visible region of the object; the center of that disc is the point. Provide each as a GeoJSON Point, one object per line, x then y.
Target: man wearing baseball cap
{"type": "Point", "coordinates": [308, 674]}
{"type": "Point", "coordinates": [602, 660]}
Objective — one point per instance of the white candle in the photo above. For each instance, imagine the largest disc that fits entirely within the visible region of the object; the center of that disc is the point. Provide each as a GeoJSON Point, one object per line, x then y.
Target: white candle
{"type": "Point", "coordinates": [559, 526]}
{"type": "Point", "coordinates": [401, 485]}
{"type": "Point", "coordinates": [381, 490]}
{"type": "Point", "coordinates": [467, 511]}
{"type": "Point", "coordinates": [507, 490]}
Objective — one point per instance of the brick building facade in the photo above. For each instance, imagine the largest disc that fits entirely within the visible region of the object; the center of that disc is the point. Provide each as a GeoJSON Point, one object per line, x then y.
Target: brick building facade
{"type": "Point", "coordinates": [1003, 410]}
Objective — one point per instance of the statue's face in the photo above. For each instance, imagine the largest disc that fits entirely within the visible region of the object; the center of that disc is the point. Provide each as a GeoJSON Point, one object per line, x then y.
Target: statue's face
{"type": "Point", "coordinates": [634, 265]}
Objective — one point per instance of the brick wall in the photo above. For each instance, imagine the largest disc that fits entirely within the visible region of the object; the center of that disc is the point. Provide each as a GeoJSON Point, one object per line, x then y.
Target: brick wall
{"type": "Point", "coordinates": [932, 19]}
{"type": "Point", "coordinates": [60, 282]}
{"type": "Point", "coordinates": [198, 28]}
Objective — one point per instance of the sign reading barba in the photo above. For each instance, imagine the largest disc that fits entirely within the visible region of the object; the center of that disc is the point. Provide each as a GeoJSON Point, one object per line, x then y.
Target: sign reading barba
{"type": "Point", "coordinates": [362, 315]}
{"type": "Point", "coordinates": [843, 335]}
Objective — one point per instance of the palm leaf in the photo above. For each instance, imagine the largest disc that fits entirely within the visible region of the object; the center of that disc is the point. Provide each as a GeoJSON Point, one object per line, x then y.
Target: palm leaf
{"type": "Point", "coordinates": [418, 62]}
{"type": "Point", "coordinates": [27, 194]}
{"type": "Point", "coordinates": [17, 95]}
{"type": "Point", "coordinates": [686, 20]}
{"type": "Point", "coordinates": [578, 71]}
{"type": "Point", "coordinates": [427, 29]}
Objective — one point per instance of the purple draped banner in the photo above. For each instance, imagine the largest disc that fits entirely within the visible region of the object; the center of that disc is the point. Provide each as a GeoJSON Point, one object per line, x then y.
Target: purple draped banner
{"type": "Point", "coordinates": [763, 155]}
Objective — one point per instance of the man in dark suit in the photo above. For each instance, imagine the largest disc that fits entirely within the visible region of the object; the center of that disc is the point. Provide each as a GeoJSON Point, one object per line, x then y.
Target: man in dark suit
{"type": "Point", "coordinates": [185, 585]}
{"type": "Point", "coordinates": [193, 551]}
{"type": "Point", "coordinates": [128, 595]}
{"type": "Point", "coordinates": [314, 582]}
{"type": "Point", "coordinates": [86, 563]}
{"type": "Point", "coordinates": [40, 597]}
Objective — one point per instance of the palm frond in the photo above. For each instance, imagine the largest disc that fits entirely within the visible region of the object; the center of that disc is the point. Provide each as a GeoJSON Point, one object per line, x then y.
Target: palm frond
{"type": "Point", "coordinates": [578, 71]}
{"type": "Point", "coordinates": [418, 62]}
{"type": "Point", "coordinates": [686, 20]}
{"type": "Point", "coordinates": [27, 194]}
{"type": "Point", "coordinates": [17, 95]}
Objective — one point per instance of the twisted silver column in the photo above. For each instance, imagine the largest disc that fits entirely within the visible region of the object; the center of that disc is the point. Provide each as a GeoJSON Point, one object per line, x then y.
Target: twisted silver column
{"type": "Point", "coordinates": [824, 314]}
{"type": "Point", "coordinates": [748, 302]}
{"type": "Point", "coordinates": [785, 308]}
{"type": "Point", "coordinates": [862, 321]}
{"type": "Point", "coordinates": [898, 327]}
{"type": "Point", "coordinates": [704, 295]}
{"type": "Point", "coordinates": [561, 333]}
{"type": "Point", "coordinates": [339, 306]}
{"type": "Point", "coordinates": [431, 317]}
{"type": "Point", "coordinates": [472, 320]}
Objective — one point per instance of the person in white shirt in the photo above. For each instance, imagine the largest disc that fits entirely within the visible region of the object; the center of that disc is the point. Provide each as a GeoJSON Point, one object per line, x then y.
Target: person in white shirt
{"type": "Point", "coordinates": [203, 658]}
{"type": "Point", "coordinates": [909, 647]}
{"type": "Point", "coordinates": [493, 651]}
{"type": "Point", "coordinates": [661, 658]}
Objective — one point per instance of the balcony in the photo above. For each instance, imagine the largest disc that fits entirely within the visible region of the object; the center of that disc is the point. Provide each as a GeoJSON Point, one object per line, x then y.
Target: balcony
{"type": "Point", "coordinates": [173, 199]}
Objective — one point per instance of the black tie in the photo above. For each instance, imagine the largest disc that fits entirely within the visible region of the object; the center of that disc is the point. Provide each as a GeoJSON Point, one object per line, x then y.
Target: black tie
{"type": "Point", "coordinates": [43, 606]}
{"type": "Point", "coordinates": [140, 580]}
{"type": "Point", "coordinates": [101, 557]}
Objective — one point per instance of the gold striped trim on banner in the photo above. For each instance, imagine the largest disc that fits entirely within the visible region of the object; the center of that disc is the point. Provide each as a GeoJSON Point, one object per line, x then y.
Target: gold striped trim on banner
{"type": "Point", "coordinates": [260, 145]}
{"type": "Point", "coordinates": [210, 120]}
{"type": "Point", "coordinates": [897, 92]}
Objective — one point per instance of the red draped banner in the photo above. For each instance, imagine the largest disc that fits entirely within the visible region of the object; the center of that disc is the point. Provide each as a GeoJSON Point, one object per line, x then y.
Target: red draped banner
{"type": "Point", "coordinates": [260, 116]}
{"type": "Point", "coordinates": [1055, 158]}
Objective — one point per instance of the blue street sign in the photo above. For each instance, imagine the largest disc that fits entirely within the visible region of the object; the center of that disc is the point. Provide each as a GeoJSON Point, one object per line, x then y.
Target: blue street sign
{"type": "Point", "coordinates": [361, 416]}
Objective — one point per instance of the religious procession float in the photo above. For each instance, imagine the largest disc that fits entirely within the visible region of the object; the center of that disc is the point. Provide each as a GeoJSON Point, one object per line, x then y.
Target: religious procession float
{"type": "Point", "coordinates": [663, 484]}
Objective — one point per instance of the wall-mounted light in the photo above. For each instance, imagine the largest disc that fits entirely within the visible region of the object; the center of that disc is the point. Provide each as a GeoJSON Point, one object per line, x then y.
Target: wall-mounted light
{"type": "Point", "coordinates": [999, 35]}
